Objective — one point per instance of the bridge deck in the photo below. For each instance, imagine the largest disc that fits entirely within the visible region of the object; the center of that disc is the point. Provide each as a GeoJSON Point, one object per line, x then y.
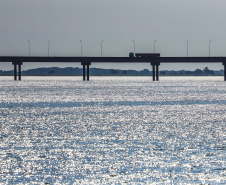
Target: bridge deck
{"type": "Point", "coordinates": [86, 61]}
{"type": "Point", "coordinates": [114, 59]}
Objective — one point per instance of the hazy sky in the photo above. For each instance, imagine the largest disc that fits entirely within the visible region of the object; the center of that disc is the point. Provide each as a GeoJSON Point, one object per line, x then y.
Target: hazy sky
{"type": "Point", "coordinates": [118, 23]}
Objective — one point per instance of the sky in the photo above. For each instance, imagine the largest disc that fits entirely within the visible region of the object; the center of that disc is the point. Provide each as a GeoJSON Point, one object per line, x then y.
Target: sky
{"type": "Point", "coordinates": [115, 23]}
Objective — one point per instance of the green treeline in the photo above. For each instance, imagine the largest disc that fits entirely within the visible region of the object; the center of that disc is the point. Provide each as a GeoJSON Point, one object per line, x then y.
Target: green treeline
{"type": "Point", "coordinates": [70, 71]}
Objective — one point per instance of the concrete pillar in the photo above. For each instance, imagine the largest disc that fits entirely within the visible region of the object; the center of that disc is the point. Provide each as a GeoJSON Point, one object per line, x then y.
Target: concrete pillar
{"type": "Point", "coordinates": [153, 71]}
{"type": "Point", "coordinates": [19, 70]}
{"type": "Point", "coordinates": [224, 71]}
{"type": "Point", "coordinates": [15, 71]}
{"type": "Point", "coordinates": [87, 72]}
{"type": "Point", "coordinates": [157, 72]}
{"type": "Point", "coordinates": [84, 72]}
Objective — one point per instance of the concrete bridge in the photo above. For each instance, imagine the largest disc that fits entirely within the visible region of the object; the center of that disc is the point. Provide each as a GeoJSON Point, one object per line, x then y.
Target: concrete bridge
{"type": "Point", "coordinates": [17, 61]}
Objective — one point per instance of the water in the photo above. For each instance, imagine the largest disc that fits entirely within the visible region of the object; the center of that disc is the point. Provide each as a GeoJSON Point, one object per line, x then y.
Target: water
{"type": "Point", "coordinates": [112, 130]}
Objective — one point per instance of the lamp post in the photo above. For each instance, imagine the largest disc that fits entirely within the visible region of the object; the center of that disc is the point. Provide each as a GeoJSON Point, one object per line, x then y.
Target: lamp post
{"type": "Point", "coordinates": [209, 47]}
{"type": "Point", "coordinates": [81, 47]}
{"type": "Point", "coordinates": [134, 46]}
{"type": "Point", "coordinates": [101, 46]}
{"type": "Point", "coordinates": [154, 46]}
{"type": "Point", "coordinates": [187, 48]}
{"type": "Point", "coordinates": [29, 48]}
{"type": "Point", "coordinates": [48, 48]}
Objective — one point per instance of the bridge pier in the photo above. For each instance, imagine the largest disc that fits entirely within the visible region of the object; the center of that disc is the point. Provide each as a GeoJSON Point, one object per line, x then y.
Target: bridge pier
{"type": "Point", "coordinates": [155, 70]}
{"type": "Point", "coordinates": [15, 70]}
{"type": "Point", "coordinates": [19, 70]}
{"type": "Point", "coordinates": [85, 72]}
{"type": "Point", "coordinates": [224, 63]}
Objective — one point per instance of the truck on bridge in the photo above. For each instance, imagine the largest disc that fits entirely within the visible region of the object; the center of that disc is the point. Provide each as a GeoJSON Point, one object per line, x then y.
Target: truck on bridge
{"type": "Point", "coordinates": [131, 54]}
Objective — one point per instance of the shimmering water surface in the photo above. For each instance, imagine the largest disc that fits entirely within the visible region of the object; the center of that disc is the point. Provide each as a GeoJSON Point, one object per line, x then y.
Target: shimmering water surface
{"type": "Point", "coordinates": [112, 130]}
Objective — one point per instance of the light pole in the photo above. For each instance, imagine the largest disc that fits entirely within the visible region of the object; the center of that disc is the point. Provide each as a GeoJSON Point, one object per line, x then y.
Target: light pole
{"type": "Point", "coordinates": [81, 47]}
{"type": "Point", "coordinates": [187, 48]}
{"type": "Point", "coordinates": [209, 47]}
{"type": "Point", "coordinates": [48, 48]}
{"type": "Point", "coordinates": [134, 46]}
{"type": "Point", "coordinates": [29, 47]}
{"type": "Point", "coordinates": [154, 46]}
{"type": "Point", "coordinates": [101, 46]}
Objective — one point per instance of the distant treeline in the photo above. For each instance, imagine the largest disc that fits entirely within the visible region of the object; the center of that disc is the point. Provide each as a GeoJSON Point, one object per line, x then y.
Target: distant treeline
{"type": "Point", "coordinates": [70, 71]}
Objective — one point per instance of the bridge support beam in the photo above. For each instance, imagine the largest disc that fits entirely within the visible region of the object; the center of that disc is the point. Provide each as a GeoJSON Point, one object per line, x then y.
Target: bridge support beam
{"type": "Point", "coordinates": [155, 70]}
{"type": "Point", "coordinates": [19, 70]}
{"type": "Point", "coordinates": [224, 63]}
{"type": "Point", "coordinates": [86, 72]}
{"type": "Point", "coordinates": [15, 71]}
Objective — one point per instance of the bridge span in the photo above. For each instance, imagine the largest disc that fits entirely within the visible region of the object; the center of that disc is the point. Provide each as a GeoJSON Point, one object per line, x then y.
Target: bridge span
{"type": "Point", "coordinates": [17, 61]}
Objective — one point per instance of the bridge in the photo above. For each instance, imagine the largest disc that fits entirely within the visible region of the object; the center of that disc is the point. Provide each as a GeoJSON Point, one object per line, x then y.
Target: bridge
{"type": "Point", "coordinates": [17, 61]}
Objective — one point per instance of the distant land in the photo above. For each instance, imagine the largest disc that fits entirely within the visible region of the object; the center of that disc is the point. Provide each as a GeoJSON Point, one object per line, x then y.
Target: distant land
{"type": "Point", "coordinates": [70, 71]}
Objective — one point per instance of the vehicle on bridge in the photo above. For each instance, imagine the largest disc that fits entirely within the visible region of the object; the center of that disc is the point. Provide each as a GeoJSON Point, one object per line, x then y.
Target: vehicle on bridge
{"type": "Point", "coordinates": [131, 54]}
